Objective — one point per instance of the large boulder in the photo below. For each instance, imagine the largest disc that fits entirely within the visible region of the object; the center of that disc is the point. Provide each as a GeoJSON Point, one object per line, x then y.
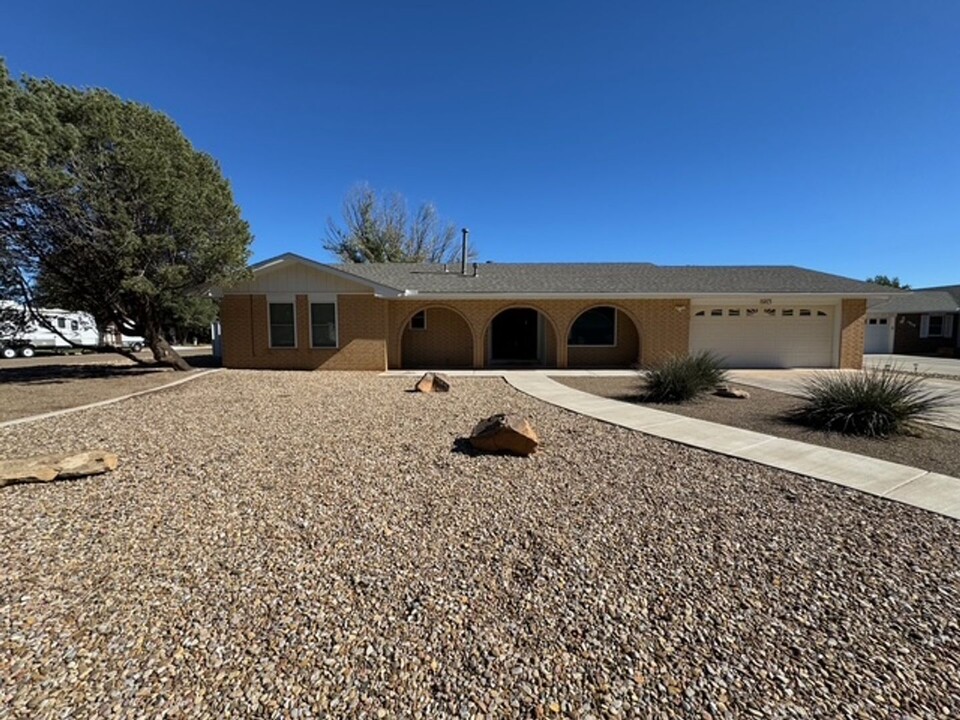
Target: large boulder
{"type": "Point", "coordinates": [505, 433]}
{"type": "Point", "coordinates": [433, 382]}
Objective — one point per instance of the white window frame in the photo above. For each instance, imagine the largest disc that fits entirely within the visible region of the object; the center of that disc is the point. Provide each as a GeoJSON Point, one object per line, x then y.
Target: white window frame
{"type": "Point", "coordinates": [325, 299]}
{"type": "Point", "coordinates": [282, 300]}
{"type": "Point", "coordinates": [616, 322]}
{"type": "Point", "coordinates": [424, 327]}
{"type": "Point", "coordinates": [946, 326]}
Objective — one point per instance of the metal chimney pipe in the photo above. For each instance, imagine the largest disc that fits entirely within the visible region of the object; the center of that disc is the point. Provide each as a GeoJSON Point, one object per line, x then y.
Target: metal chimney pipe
{"type": "Point", "coordinates": [463, 252]}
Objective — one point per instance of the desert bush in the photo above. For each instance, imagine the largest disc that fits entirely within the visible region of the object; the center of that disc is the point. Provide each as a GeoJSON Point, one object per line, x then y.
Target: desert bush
{"type": "Point", "coordinates": [683, 378]}
{"type": "Point", "coordinates": [872, 403]}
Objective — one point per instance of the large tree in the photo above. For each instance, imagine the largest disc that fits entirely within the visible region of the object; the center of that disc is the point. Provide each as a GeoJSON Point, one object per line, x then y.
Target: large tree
{"type": "Point", "coordinates": [107, 208]}
{"type": "Point", "coordinates": [380, 229]}
{"type": "Point", "coordinates": [893, 282]}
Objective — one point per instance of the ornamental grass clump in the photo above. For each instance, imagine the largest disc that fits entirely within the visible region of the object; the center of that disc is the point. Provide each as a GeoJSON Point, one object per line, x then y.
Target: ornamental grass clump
{"type": "Point", "coordinates": [683, 378]}
{"type": "Point", "coordinates": [871, 403]}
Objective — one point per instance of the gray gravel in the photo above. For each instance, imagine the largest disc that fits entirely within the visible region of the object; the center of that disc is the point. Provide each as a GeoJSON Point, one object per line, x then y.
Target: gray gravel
{"type": "Point", "coordinates": [317, 544]}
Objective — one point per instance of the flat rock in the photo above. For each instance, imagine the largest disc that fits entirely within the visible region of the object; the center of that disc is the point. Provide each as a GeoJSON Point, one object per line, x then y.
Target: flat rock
{"type": "Point", "coordinates": [729, 392]}
{"type": "Point", "coordinates": [44, 468]}
{"type": "Point", "coordinates": [505, 433]}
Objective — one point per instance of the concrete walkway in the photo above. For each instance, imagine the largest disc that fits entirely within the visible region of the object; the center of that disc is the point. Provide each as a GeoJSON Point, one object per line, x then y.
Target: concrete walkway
{"type": "Point", "coordinates": [901, 483]}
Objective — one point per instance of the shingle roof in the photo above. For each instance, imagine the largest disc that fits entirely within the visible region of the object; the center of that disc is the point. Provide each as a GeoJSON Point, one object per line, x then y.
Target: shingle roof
{"type": "Point", "coordinates": [920, 301]}
{"type": "Point", "coordinates": [954, 290]}
{"type": "Point", "coordinates": [609, 278]}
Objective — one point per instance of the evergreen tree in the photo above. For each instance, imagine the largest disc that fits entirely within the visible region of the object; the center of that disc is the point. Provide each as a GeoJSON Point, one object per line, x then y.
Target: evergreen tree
{"type": "Point", "coordinates": [108, 209]}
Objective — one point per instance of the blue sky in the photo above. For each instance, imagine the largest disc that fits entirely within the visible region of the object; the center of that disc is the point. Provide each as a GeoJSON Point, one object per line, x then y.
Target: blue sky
{"type": "Point", "coordinates": [821, 134]}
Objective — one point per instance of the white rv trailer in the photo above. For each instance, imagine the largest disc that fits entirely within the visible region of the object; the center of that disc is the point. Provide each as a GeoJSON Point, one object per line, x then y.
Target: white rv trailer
{"type": "Point", "coordinates": [79, 327]}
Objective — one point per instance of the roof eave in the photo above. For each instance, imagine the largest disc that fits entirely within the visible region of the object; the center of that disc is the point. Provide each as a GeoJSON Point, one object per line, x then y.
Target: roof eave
{"type": "Point", "coordinates": [832, 295]}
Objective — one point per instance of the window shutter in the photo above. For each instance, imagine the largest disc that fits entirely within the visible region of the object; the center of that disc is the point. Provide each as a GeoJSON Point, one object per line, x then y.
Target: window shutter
{"type": "Point", "coordinates": [924, 325]}
{"type": "Point", "coordinates": [948, 326]}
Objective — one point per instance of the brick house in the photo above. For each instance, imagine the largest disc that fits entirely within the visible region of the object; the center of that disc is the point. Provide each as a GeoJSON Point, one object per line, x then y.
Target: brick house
{"type": "Point", "coordinates": [923, 322]}
{"type": "Point", "coordinates": [300, 314]}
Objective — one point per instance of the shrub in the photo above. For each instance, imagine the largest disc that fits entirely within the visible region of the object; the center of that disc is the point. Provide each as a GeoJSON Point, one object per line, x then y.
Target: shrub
{"type": "Point", "coordinates": [683, 378]}
{"type": "Point", "coordinates": [873, 403]}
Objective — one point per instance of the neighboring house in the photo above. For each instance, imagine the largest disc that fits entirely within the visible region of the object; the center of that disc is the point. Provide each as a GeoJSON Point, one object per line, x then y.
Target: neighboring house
{"type": "Point", "coordinates": [298, 313]}
{"type": "Point", "coordinates": [923, 322]}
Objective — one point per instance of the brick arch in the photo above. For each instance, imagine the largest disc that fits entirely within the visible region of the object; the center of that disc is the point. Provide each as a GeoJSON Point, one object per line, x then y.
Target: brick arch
{"type": "Point", "coordinates": [628, 351]}
{"type": "Point", "coordinates": [552, 350]}
{"type": "Point", "coordinates": [451, 345]}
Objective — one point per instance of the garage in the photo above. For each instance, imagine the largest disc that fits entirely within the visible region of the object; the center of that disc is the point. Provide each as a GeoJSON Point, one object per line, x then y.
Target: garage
{"type": "Point", "coordinates": [878, 334]}
{"type": "Point", "coordinates": [762, 336]}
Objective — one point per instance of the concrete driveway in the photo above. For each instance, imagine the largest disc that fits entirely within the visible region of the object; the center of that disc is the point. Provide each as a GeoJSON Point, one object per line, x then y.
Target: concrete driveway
{"type": "Point", "coordinates": [791, 381]}
{"type": "Point", "coordinates": [913, 363]}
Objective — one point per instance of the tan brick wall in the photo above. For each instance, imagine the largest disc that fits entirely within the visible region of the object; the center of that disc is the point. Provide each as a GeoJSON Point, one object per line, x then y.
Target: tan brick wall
{"type": "Point", "coordinates": [663, 330]}
{"type": "Point", "coordinates": [372, 333]}
{"type": "Point", "coordinates": [625, 353]}
{"type": "Point", "coordinates": [852, 317]}
{"type": "Point", "coordinates": [361, 326]}
{"type": "Point", "coordinates": [446, 342]}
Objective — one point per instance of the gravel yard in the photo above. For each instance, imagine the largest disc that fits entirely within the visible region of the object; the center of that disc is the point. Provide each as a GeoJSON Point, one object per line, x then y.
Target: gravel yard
{"type": "Point", "coordinates": [26, 391]}
{"type": "Point", "coordinates": [319, 544]}
{"type": "Point", "coordinates": [931, 448]}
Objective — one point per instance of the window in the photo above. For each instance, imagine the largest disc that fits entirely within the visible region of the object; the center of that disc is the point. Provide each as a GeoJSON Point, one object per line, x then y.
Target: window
{"type": "Point", "coordinates": [751, 312]}
{"type": "Point", "coordinates": [936, 326]}
{"type": "Point", "coordinates": [597, 327]}
{"type": "Point", "coordinates": [787, 312]}
{"type": "Point", "coordinates": [733, 312]}
{"type": "Point", "coordinates": [419, 321]}
{"type": "Point", "coordinates": [804, 312]}
{"type": "Point", "coordinates": [883, 321]}
{"type": "Point", "coordinates": [700, 313]}
{"type": "Point", "coordinates": [74, 325]}
{"type": "Point", "coordinates": [769, 312]}
{"type": "Point", "coordinates": [323, 325]}
{"type": "Point", "coordinates": [283, 325]}
{"type": "Point", "coordinates": [821, 313]}
{"type": "Point", "coordinates": [716, 312]}
{"type": "Point", "coordinates": [61, 323]}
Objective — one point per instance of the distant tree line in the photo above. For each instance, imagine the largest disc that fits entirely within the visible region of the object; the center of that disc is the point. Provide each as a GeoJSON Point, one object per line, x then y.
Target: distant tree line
{"type": "Point", "coordinates": [893, 282]}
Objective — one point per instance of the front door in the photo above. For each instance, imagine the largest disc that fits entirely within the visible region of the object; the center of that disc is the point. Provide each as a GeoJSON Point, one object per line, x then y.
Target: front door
{"type": "Point", "coordinates": [515, 337]}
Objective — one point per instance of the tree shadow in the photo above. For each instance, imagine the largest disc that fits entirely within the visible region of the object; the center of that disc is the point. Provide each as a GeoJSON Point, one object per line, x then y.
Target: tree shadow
{"type": "Point", "coordinates": [54, 374]}
{"type": "Point", "coordinates": [202, 361]}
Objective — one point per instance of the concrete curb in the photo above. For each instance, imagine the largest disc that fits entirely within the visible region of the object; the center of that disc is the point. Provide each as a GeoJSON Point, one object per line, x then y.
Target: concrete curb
{"type": "Point", "coordinates": [110, 401]}
{"type": "Point", "coordinates": [900, 483]}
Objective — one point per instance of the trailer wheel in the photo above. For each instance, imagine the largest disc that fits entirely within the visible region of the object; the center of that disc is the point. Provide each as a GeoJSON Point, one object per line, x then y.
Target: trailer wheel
{"type": "Point", "coordinates": [27, 351]}
{"type": "Point", "coordinates": [137, 347]}
{"type": "Point", "coordinates": [8, 353]}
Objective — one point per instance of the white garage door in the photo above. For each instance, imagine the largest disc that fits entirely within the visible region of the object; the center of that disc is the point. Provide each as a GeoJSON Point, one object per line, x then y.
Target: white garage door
{"type": "Point", "coordinates": [878, 335]}
{"type": "Point", "coordinates": [758, 337]}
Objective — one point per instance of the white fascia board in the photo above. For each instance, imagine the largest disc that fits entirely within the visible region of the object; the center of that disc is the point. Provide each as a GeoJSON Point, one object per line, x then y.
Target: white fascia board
{"type": "Point", "coordinates": [703, 299]}
{"type": "Point", "coordinates": [695, 298]}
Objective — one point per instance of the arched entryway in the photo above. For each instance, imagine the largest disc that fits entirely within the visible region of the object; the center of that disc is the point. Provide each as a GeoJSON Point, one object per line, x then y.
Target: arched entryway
{"type": "Point", "coordinates": [436, 338]}
{"type": "Point", "coordinates": [521, 337]}
{"type": "Point", "coordinates": [603, 337]}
